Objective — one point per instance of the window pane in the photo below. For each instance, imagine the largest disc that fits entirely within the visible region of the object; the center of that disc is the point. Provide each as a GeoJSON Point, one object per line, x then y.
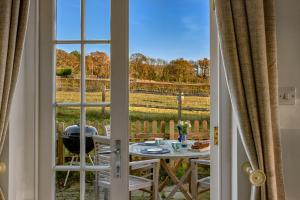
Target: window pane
{"type": "Point", "coordinates": [94, 188]}
{"type": "Point", "coordinates": [99, 118]}
{"type": "Point", "coordinates": [97, 60]}
{"type": "Point", "coordinates": [67, 188]}
{"type": "Point", "coordinates": [98, 19]}
{"type": "Point", "coordinates": [68, 131]}
{"type": "Point", "coordinates": [68, 73]}
{"type": "Point", "coordinates": [68, 19]}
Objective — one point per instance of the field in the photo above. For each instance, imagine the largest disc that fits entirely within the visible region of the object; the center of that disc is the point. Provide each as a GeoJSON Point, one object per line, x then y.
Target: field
{"type": "Point", "coordinates": [147, 112]}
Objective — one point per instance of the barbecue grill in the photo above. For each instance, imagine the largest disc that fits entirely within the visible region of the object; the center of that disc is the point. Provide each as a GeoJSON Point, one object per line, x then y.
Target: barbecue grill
{"type": "Point", "coordinates": [71, 138]}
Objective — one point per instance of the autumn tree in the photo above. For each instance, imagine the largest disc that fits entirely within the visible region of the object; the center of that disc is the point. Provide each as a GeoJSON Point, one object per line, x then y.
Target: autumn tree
{"type": "Point", "coordinates": [65, 59]}
{"type": "Point", "coordinates": [204, 66]}
{"type": "Point", "coordinates": [179, 70]}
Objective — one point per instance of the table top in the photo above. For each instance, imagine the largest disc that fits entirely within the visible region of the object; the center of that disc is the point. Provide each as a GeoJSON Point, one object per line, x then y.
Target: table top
{"type": "Point", "coordinates": [136, 148]}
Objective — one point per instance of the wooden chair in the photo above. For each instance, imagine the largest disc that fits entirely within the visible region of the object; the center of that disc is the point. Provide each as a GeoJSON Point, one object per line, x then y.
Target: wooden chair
{"type": "Point", "coordinates": [107, 130]}
{"type": "Point", "coordinates": [196, 182]}
{"type": "Point", "coordinates": [148, 182]}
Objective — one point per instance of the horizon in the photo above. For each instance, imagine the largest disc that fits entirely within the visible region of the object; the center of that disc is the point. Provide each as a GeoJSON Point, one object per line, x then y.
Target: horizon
{"type": "Point", "coordinates": [169, 29]}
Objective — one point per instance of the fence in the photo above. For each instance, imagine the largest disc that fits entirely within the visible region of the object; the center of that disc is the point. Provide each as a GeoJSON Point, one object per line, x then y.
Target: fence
{"type": "Point", "coordinates": [95, 85]}
{"type": "Point", "coordinates": [141, 131]}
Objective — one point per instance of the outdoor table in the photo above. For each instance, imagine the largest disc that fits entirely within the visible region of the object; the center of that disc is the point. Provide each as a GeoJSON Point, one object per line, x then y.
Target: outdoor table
{"type": "Point", "coordinates": [136, 148]}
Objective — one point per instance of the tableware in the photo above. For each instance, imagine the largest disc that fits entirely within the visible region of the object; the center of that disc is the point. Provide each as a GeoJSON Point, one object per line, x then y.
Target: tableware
{"type": "Point", "coordinates": [176, 146]}
{"type": "Point", "coordinates": [159, 141]}
{"type": "Point", "coordinates": [155, 151]}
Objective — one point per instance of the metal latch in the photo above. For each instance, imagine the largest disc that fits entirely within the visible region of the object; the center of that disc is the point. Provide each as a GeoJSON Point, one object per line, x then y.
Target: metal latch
{"type": "Point", "coordinates": [216, 135]}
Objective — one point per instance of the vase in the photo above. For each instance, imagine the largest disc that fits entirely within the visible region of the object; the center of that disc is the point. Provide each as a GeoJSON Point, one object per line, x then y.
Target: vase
{"type": "Point", "coordinates": [184, 140]}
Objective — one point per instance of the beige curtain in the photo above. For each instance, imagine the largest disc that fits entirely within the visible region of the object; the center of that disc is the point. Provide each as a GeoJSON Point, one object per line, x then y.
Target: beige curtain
{"type": "Point", "coordinates": [247, 36]}
{"type": "Point", "coordinates": [13, 22]}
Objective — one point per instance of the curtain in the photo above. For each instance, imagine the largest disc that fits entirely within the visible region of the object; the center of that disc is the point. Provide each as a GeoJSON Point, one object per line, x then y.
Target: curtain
{"type": "Point", "coordinates": [13, 23]}
{"type": "Point", "coordinates": [247, 35]}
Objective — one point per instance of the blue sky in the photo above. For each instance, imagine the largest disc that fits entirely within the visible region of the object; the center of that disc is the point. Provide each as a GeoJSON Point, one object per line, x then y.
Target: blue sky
{"type": "Point", "coordinates": [166, 29]}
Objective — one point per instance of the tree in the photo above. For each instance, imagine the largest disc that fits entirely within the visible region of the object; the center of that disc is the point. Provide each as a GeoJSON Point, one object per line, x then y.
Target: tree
{"type": "Point", "coordinates": [98, 63]}
{"type": "Point", "coordinates": [204, 66]}
{"type": "Point", "coordinates": [71, 60]}
{"type": "Point", "coordinates": [179, 70]}
{"type": "Point", "coordinates": [137, 64]}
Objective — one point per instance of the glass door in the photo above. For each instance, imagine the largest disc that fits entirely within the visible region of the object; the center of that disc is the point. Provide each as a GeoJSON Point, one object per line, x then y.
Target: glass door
{"type": "Point", "coordinates": [84, 97]}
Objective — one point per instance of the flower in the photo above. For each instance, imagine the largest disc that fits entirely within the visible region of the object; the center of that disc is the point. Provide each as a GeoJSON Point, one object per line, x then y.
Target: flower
{"type": "Point", "coordinates": [184, 126]}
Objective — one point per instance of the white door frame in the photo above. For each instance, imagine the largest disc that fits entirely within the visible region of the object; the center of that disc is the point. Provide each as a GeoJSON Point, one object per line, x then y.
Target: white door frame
{"type": "Point", "coordinates": [221, 118]}
{"type": "Point", "coordinates": [119, 100]}
{"type": "Point", "coordinates": [119, 95]}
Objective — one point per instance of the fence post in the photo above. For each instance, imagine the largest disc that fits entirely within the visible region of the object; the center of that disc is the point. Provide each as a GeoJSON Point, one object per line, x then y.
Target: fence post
{"type": "Point", "coordinates": [179, 100]}
{"type": "Point", "coordinates": [60, 144]}
{"type": "Point", "coordinates": [154, 127]}
{"type": "Point", "coordinates": [103, 100]}
{"type": "Point", "coordinates": [204, 125]}
{"type": "Point", "coordinates": [171, 127]}
{"type": "Point", "coordinates": [196, 126]}
{"type": "Point", "coordinates": [146, 126]}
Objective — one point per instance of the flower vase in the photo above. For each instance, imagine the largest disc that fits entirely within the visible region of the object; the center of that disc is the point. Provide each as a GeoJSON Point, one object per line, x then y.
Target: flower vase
{"type": "Point", "coordinates": [184, 141]}
{"type": "Point", "coordinates": [179, 133]}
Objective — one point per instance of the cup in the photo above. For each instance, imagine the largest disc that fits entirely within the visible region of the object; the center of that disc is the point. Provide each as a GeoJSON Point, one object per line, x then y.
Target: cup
{"type": "Point", "coordinates": [176, 146]}
{"type": "Point", "coordinates": [159, 141]}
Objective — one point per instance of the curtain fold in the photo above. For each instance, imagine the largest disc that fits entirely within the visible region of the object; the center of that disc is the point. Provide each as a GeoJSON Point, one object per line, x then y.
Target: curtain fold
{"type": "Point", "coordinates": [13, 23]}
{"type": "Point", "coordinates": [247, 34]}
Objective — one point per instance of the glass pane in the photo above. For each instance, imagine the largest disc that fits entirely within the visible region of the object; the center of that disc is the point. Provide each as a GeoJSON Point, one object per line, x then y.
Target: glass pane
{"type": "Point", "coordinates": [68, 73]}
{"type": "Point", "coordinates": [98, 19]}
{"type": "Point", "coordinates": [68, 19]}
{"type": "Point", "coordinates": [99, 118]}
{"type": "Point", "coordinates": [97, 60]}
{"type": "Point", "coordinates": [68, 145]}
{"type": "Point", "coordinates": [67, 187]}
{"type": "Point", "coordinates": [94, 188]}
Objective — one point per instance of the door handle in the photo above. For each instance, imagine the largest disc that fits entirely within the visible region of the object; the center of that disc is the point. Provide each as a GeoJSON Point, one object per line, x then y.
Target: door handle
{"type": "Point", "coordinates": [117, 155]}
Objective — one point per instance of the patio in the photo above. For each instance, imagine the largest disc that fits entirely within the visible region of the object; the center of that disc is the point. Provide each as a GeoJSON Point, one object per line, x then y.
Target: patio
{"type": "Point", "coordinates": [72, 193]}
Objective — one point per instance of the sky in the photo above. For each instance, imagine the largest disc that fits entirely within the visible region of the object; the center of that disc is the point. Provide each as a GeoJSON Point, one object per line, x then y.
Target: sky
{"type": "Point", "coordinates": [166, 29]}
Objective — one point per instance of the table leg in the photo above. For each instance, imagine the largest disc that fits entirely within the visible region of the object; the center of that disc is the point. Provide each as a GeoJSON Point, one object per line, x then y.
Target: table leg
{"type": "Point", "coordinates": [165, 181]}
{"type": "Point", "coordinates": [176, 181]}
{"type": "Point", "coordinates": [179, 184]}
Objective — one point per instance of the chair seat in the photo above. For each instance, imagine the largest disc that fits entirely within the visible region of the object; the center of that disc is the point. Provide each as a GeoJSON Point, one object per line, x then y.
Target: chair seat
{"type": "Point", "coordinates": [135, 182]}
{"type": "Point", "coordinates": [204, 182]}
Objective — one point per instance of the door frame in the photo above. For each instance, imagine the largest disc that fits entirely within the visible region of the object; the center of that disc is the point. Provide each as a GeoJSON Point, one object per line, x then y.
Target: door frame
{"type": "Point", "coordinates": [221, 118]}
{"type": "Point", "coordinates": [119, 106]}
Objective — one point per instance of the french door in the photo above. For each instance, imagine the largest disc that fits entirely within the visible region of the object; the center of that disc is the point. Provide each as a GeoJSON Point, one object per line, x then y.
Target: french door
{"type": "Point", "coordinates": [65, 29]}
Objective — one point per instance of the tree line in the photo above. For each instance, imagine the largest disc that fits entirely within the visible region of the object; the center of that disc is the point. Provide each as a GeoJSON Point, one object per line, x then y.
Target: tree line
{"type": "Point", "coordinates": [141, 67]}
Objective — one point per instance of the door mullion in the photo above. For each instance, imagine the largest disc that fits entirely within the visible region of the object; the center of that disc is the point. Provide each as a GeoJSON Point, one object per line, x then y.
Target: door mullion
{"type": "Point", "coordinates": [119, 95]}
{"type": "Point", "coordinates": [83, 100]}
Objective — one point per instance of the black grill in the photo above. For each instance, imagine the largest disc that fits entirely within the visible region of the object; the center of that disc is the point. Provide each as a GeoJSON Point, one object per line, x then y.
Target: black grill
{"type": "Point", "coordinates": [71, 138]}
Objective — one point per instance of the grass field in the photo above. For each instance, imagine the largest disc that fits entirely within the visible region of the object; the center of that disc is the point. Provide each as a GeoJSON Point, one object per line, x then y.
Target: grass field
{"type": "Point", "coordinates": [72, 114]}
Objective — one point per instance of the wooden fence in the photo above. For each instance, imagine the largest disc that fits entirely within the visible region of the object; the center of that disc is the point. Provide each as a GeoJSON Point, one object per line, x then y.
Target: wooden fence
{"type": "Point", "coordinates": [141, 131]}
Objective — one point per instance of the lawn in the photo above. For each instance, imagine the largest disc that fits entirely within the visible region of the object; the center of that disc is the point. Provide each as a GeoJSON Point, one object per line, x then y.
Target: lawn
{"type": "Point", "coordinates": [71, 115]}
{"type": "Point", "coordinates": [141, 113]}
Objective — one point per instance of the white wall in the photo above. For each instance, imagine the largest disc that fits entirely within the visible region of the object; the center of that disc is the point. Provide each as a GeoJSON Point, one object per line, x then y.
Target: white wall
{"type": "Point", "coordinates": [288, 35]}
{"type": "Point", "coordinates": [22, 122]}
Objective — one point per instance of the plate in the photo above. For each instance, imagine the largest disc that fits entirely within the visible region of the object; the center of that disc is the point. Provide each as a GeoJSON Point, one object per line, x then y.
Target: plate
{"type": "Point", "coordinates": [149, 142]}
{"type": "Point", "coordinates": [155, 151]}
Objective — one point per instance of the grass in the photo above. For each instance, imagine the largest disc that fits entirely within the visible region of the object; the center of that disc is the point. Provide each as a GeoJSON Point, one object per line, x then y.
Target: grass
{"type": "Point", "coordinates": [71, 115]}
{"type": "Point", "coordinates": [137, 113]}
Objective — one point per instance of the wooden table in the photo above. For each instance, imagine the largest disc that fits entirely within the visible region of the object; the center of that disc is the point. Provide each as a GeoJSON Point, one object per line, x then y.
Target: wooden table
{"type": "Point", "coordinates": [183, 153]}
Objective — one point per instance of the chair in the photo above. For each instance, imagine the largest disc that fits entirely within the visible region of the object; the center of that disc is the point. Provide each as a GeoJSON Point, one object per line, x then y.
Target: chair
{"type": "Point", "coordinates": [102, 180]}
{"type": "Point", "coordinates": [196, 182]}
{"type": "Point", "coordinates": [107, 130]}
